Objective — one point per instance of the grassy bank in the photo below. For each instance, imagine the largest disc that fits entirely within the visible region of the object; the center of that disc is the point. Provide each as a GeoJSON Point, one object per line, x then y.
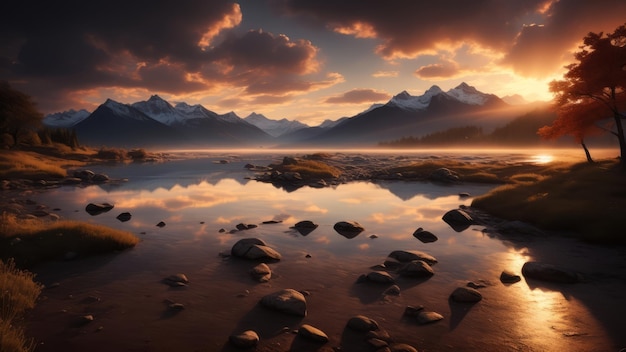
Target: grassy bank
{"type": "Point", "coordinates": [18, 293]}
{"type": "Point", "coordinates": [32, 241]}
{"type": "Point", "coordinates": [587, 200]}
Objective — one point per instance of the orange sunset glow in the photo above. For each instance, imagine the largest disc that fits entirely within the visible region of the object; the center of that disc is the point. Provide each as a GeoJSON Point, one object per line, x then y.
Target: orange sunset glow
{"type": "Point", "coordinates": [300, 60]}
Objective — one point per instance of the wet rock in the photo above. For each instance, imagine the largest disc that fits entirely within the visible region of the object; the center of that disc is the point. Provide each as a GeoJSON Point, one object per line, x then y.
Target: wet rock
{"type": "Point", "coordinates": [413, 311]}
{"type": "Point", "coordinates": [466, 294]}
{"type": "Point", "coordinates": [402, 347]}
{"type": "Point", "coordinates": [123, 217]}
{"type": "Point", "coordinates": [464, 195]}
{"type": "Point", "coordinates": [98, 208]}
{"type": "Point", "coordinates": [176, 280]}
{"type": "Point", "coordinates": [377, 344]}
{"type": "Point", "coordinates": [254, 248]}
{"type": "Point", "coordinates": [312, 333]}
{"type": "Point", "coordinates": [176, 306]}
{"type": "Point", "coordinates": [85, 319]}
{"type": "Point", "coordinates": [261, 272]}
{"type": "Point", "coordinates": [549, 272]}
{"type": "Point", "coordinates": [408, 256]}
{"type": "Point", "coordinates": [305, 227]}
{"type": "Point", "coordinates": [348, 229]}
{"type": "Point", "coordinates": [100, 178]}
{"type": "Point", "coordinates": [362, 323]}
{"type": "Point", "coordinates": [84, 175]}
{"type": "Point", "coordinates": [509, 277]}
{"type": "Point", "coordinates": [425, 317]}
{"type": "Point", "coordinates": [287, 301]}
{"type": "Point", "coordinates": [458, 219]}
{"type": "Point", "coordinates": [161, 224]}
{"type": "Point", "coordinates": [416, 268]}
{"type": "Point", "coordinates": [424, 236]}
{"type": "Point", "coordinates": [246, 339]}
{"type": "Point", "coordinates": [379, 277]}
{"type": "Point", "coordinates": [241, 227]}
{"type": "Point", "coordinates": [392, 290]}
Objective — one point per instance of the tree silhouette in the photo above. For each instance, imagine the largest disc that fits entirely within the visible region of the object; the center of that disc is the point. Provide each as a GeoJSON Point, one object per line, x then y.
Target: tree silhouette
{"type": "Point", "coordinates": [18, 113]}
{"type": "Point", "coordinates": [592, 90]}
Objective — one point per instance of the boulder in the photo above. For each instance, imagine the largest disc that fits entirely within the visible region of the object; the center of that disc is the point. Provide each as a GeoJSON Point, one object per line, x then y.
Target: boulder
{"type": "Point", "coordinates": [416, 268]}
{"type": "Point", "coordinates": [176, 280]}
{"type": "Point", "coordinates": [362, 323]}
{"type": "Point", "coordinates": [458, 219]}
{"type": "Point", "coordinates": [100, 178]}
{"type": "Point", "coordinates": [254, 248]}
{"type": "Point", "coordinates": [348, 229]}
{"type": "Point", "coordinates": [428, 317]}
{"type": "Point", "coordinates": [380, 277]}
{"type": "Point", "coordinates": [424, 236]}
{"type": "Point", "coordinates": [549, 272]}
{"type": "Point", "coordinates": [123, 217]}
{"type": "Point", "coordinates": [312, 333]}
{"type": "Point", "coordinates": [402, 347]}
{"type": "Point", "coordinates": [261, 272]}
{"type": "Point", "coordinates": [508, 277]}
{"type": "Point", "coordinates": [98, 208]}
{"type": "Point", "coordinates": [409, 256]}
{"type": "Point", "coordinates": [246, 339]}
{"type": "Point", "coordinates": [287, 301]}
{"type": "Point", "coordinates": [305, 227]}
{"type": "Point", "coordinates": [466, 295]}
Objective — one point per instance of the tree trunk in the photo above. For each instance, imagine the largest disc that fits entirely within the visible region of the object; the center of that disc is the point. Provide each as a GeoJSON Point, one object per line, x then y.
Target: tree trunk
{"type": "Point", "coordinates": [589, 159]}
{"type": "Point", "coordinates": [621, 138]}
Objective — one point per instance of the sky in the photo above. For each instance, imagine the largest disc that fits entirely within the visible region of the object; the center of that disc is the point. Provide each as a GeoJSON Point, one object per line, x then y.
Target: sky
{"type": "Point", "coordinates": [306, 60]}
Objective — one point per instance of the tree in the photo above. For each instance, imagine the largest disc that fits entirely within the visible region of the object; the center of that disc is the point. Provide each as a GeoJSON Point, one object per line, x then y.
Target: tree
{"type": "Point", "coordinates": [593, 89]}
{"type": "Point", "coordinates": [18, 113]}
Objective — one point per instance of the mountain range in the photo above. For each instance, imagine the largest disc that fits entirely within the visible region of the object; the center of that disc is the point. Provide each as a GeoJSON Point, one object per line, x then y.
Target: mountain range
{"type": "Point", "coordinates": [156, 122]}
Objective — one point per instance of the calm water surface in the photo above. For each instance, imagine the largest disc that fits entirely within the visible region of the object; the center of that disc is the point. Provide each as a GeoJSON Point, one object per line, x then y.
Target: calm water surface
{"type": "Point", "coordinates": [196, 196]}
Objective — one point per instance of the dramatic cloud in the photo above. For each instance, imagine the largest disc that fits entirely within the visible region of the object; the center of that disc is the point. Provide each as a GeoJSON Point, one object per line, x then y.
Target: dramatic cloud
{"type": "Point", "coordinates": [409, 29]}
{"type": "Point", "coordinates": [442, 70]}
{"type": "Point", "coordinates": [178, 48]}
{"type": "Point", "coordinates": [357, 96]}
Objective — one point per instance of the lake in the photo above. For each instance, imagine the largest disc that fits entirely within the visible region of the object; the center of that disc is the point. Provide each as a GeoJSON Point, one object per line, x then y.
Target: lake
{"type": "Point", "coordinates": [202, 195]}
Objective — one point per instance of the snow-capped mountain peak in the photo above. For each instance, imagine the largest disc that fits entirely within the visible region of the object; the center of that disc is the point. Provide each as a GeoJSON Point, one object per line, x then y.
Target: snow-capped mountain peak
{"type": "Point", "coordinates": [159, 109]}
{"type": "Point", "coordinates": [407, 101]}
{"type": "Point", "coordinates": [65, 119]}
{"type": "Point", "coordinates": [274, 128]}
{"type": "Point", "coordinates": [230, 117]}
{"type": "Point", "coordinates": [468, 94]}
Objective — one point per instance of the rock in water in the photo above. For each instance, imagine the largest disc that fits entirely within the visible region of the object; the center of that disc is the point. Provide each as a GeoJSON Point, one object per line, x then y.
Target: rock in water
{"type": "Point", "coordinates": [549, 272]}
{"type": "Point", "coordinates": [246, 339]}
{"type": "Point", "coordinates": [424, 236]}
{"type": "Point", "coordinates": [409, 256]}
{"type": "Point", "coordinates": [287, 301]}
{"type": "Point", "coordinates": [416, 268]}
{"type": "Point", "coordinates": [348, 229]}
{"type": "Point", "coordinates": [254, 248]}
{"type": "Point", "coordinates": [458, 219]}
{"type": "Point", "coordinates": [508, 277]}
{"type": "Point", "coordinates": [261, 272]}
{"type": "Point", "coordinates": [362, 323]}
{"type": "Point", "coordinates": [466, 294]}
{"type": "Point", "coordinates": [305, 227]}
{"type": "Point", "coordinates": [123, 217]}
{"type": "Point", "coordinates": [381, 277]}
{"type": "Point", "coordinates": [312, 333]}
{"type": "Point", "coordinates": [98, 208]}
{"type": "Point", "coordinates": [424, 317]}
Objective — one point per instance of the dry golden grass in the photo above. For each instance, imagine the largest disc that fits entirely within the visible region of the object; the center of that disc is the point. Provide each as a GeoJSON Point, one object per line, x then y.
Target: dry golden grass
{"type": "Point", "coordinates": [18, 293]}
{"type": "Point", "coordinates": [30, 165]}
{"type": "Point", "coordinates": [40, 240]}
{"type": "Point", "coordinates": [312, 169]}
{"type": "Point", "coordinates": [585, 199]}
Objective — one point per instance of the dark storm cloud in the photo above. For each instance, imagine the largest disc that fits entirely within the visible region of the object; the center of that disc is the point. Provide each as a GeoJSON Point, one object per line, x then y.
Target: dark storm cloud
{"type": "Point", "coordinates": [357, 96]}
{"type": "Point", "coordinates": [408, 28]}
{"type": "Point", "coordinates": [169, 46]}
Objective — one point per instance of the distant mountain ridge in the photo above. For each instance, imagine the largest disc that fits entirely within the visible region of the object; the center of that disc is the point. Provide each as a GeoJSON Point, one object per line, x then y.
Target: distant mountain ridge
{"type": "Point", "coordinates": [156, 122]}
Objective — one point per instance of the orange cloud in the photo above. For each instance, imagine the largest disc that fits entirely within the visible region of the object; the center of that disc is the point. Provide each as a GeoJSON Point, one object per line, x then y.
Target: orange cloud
{"type": "Point", "coordinates": [441, 70]}
{"type": "Point", "coordinates": [379, 74]}
{"type": "Point", "coordinates": [357, 29]}
{"type": "Point", "coordinates": [357, 96]}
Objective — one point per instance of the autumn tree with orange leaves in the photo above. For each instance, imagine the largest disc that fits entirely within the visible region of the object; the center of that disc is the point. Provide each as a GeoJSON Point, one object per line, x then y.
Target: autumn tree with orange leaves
{"type": "Point", "coordinates": [592, 91]}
